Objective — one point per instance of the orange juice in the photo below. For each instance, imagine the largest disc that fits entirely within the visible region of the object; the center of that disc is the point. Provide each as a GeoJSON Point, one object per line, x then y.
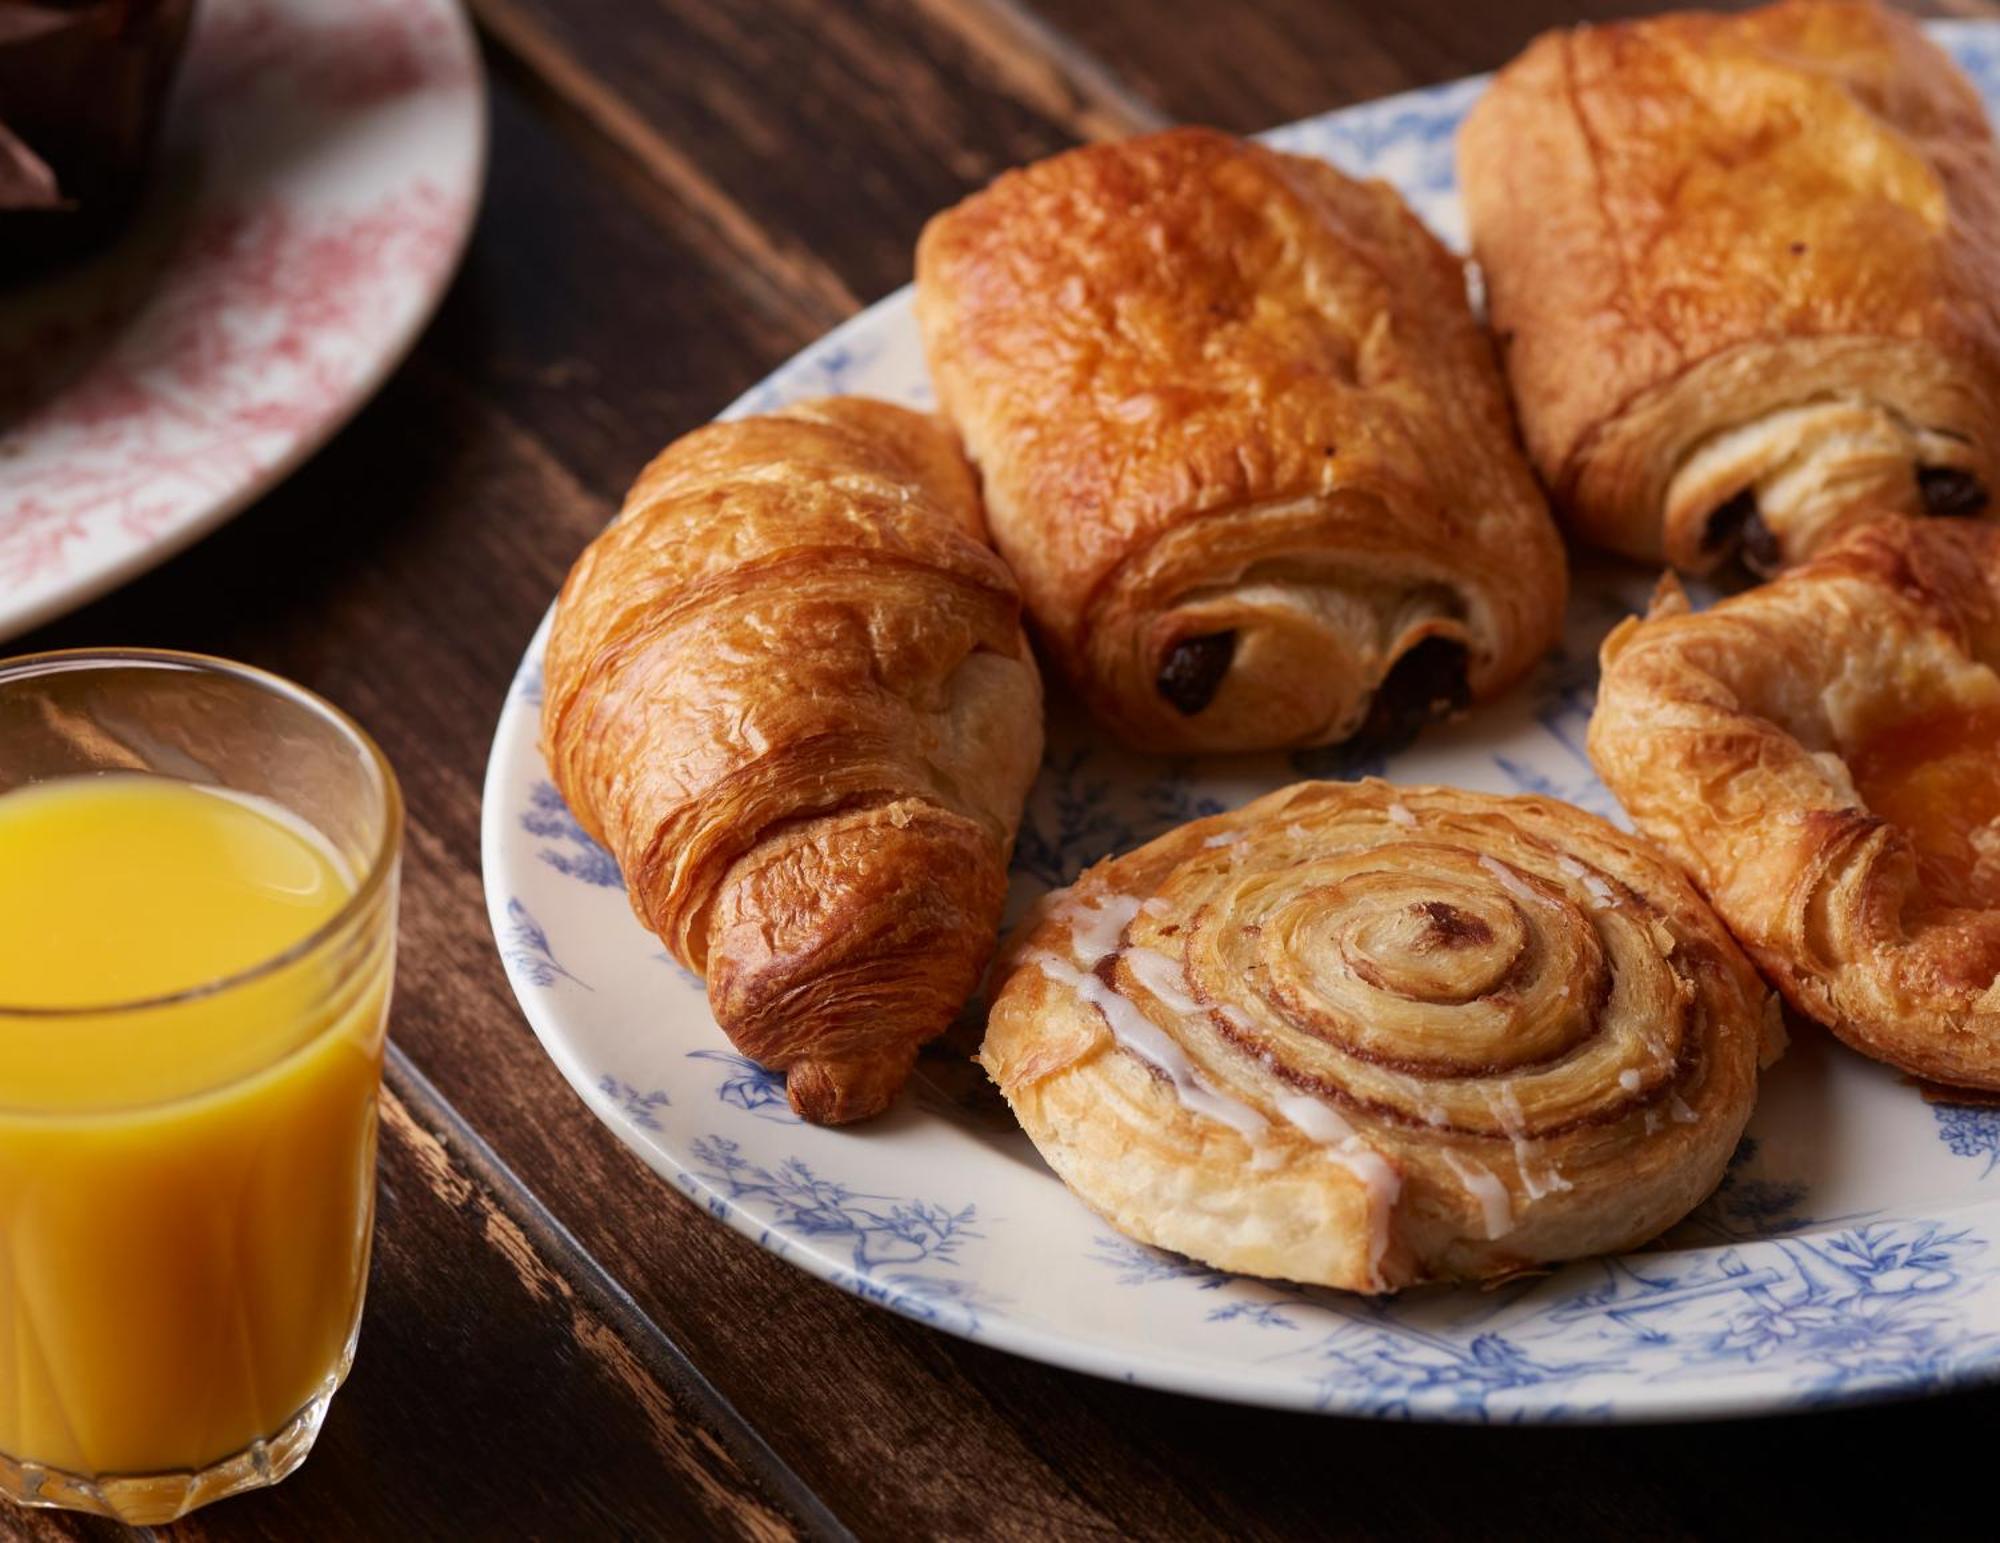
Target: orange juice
{"type": "Point", "coordinates": [191, 1033]}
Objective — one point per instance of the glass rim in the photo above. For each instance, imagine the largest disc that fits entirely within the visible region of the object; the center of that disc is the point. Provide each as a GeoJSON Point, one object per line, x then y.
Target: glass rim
{"type": "Point", "coordinates": [368, 886]}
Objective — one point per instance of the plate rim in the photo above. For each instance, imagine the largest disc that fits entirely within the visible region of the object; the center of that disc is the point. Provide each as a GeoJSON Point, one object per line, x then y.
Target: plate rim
{"type": "Point", "coordinates": [97, 580]}
{"type": "Point", "coordinates": [1167, 1367]}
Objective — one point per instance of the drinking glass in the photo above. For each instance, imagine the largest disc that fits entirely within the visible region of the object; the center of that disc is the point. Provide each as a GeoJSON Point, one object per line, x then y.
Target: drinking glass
{"type": "Point", "coordinates": [183, 1257]}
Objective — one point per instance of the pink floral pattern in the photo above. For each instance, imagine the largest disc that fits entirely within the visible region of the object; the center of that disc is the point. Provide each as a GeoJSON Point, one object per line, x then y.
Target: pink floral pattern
{"type": "Point", "coordinates": [285, 283]}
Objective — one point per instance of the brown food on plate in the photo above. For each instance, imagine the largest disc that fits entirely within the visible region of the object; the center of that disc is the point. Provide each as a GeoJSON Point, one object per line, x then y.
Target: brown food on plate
{"type": "Point", "coordinates": [1367, 1036]}
{"type": "Point", "coordinates": [1242, 441]}
{"type": "Point", "coordinates": [788, 689]}
{"type": "Point", "coordinates": [1744, 270]}
{"type": "Point", "coordinates": [1822, 755]}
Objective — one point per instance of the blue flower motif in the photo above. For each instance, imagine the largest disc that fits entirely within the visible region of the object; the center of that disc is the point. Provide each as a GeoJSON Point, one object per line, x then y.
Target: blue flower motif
{"type": "Point", "coordinates": [750, 1087]}
{"type": "Point", "coordinates": [1262, 1315]}
{"type": "Point", "coordinates": [576, 854]}
{"type": "Point", "coordinates": [1397, 1371]}
{"type": "Point", "coordinates": [526, 948]}
{"type": "Point", "coordinates": [1743, 1207]}
{"type": "Point", "coordinates": [1834, 1309]}
{"type": "Point", "coordinates": [879, 1228]}
{"type": "Point", "coordinates": [1970, 1130]}
{"type": "Point", "coordinates": [1069, 823]}
{"type": "Point", "coordinates": [1171, 801]}
{"type": "Point", "coordinates": [1138, 1265]}
{"type": "Point", "coordinates": [640, 1108]}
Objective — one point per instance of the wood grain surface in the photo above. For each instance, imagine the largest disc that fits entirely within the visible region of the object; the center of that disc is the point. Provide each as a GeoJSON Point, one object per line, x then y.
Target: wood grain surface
{"type": "Point", "coordinates": [558, 1345]}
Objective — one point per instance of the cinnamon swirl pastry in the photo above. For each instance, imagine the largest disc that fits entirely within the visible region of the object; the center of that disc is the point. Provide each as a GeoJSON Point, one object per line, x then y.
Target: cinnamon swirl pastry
{"type": "Point", "coordinates": [1366, 1036]}
{"type": "Point", "coordinates": [1243, 443]}
{"type": "Point", "coordinates": [1823, 756]}
{"type": "Point", "coordinates": [1744, 271]}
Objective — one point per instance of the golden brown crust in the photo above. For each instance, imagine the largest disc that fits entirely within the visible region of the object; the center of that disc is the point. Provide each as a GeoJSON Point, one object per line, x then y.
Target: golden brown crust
{"type": "Point", "coordinates": [789, 691]}
{"type": "Point", "coordinates": [1752, 252]}
{"type": "Point", "coordinates": [1216, 391]}
{"type": "Point", "coordinates": [1748, 740]}
{"type": "Point", "coordinates": [1366, 1036]}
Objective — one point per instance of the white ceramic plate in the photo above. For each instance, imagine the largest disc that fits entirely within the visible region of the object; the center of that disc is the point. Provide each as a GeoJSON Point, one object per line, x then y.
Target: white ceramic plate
{"type": "Point", "coordinates": [320, 167]}
{"type": "Point", "coordinates": [1853, 1250]}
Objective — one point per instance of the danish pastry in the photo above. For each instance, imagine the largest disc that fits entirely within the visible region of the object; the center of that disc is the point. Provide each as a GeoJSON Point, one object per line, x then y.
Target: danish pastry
{"type": "Point", "coordinates": [1822, 755]}
{"type": "Point", "coordinates": [1365, 1036]}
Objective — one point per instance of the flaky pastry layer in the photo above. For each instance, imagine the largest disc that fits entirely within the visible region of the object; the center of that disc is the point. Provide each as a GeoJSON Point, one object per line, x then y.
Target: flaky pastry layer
{"type": "Point", "coordinates": [1366, 1036]}
{"type": "Point", "coordinates": [789, 690]}
{"type": "Point", "coordinates": [1744, 270]}
{"type": "Point", "coordinates": [1241, 439]}
{"type": "Point", "coordinates": [1822, 754]}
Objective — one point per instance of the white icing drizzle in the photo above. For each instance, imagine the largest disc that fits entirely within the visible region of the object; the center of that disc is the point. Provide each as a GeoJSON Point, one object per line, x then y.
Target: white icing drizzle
{"type": "Point", "coordinates": [1096, 930]}
{"type": "Point", "coordinates": [1154, 906]}
{"type": "Point", "coordinates": [1097, 927]}
{"type": "Point", "coordinates": [1134, 1031]}
{"type": "Point", "coordinates": [1496, 1206]}
{"type": "Point", "coordinates": [1678, 1108]}
{"type": "Point", "coordinates": [1227, 838]}
{"type": "Point", "coordinates": [1400, 814]}
{"type": "Point", "coordinates": [1630, 1080]}
{"type": "Point", "coordinates": [1317, 1118]}
{"type": "Point", "coordinates": [1652, 1122]}
{"type": "Point", "coordinates": [1507, 1110]}
{"type": "Point", "coordinates": [1570, 866]}
{"type": "Point", "coordinates": [1381, 1184]}
{"type": "Point", "coordinates": [1511, 881]}
{"type": "Point", "coordinates": [1599, 891]}
{"type": "Point", "coordinates": [1163, 978]}
{"type": "Point", "coordinates": [1298, 832]}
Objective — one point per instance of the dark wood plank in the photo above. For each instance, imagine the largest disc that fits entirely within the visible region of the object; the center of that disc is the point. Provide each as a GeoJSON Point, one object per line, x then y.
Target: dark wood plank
{"type": "Point", "coordinates": [842, 126]}
{"type": "Point", "coordinates": [1253, 64]}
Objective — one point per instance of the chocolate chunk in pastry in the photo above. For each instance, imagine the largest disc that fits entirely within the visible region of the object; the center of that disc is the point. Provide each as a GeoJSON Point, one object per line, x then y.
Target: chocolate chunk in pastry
{"type": "Point", "coordinates": [1948, 492]}
{"type": "Point", "coordinates": [1756, 252]}
{"type": "Point", "coordinates": [1427, 683]}
{"type": "Point", "coordinates": [1241, 438]}
{"type": "Point", "coordinates": [1194, 667]}
{"type": "Point", "coordinates": [1822, 755]}
{"type": "Point", "coordinates": [1366, 1036]}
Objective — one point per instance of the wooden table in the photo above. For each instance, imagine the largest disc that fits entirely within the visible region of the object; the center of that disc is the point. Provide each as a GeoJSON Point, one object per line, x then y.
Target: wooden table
{"type": "Point", "coordinates": [557, 1344]}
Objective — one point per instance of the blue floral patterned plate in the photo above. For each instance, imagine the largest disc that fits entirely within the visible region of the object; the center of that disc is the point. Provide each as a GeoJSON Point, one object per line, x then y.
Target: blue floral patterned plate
{"type": "Point", "coordinates": [1852, 1251]}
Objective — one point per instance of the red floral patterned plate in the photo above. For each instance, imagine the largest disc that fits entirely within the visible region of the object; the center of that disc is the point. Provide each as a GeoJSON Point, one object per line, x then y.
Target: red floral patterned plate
{"type": "Point", "coordinates": [321, 167]}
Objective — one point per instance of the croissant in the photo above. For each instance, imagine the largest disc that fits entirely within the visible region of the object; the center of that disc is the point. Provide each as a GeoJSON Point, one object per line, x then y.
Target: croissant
{"type": "Point", "coordinates": [1823, 756]}
{"type": "Point", "coordinates": [1743, 269]}
{"type": "Point", "coordinates": [789, 690]}
{"type": "Point", "coordinates": [1365, 1036]}
{"type": "Point", "coordinates": [1242, 442]}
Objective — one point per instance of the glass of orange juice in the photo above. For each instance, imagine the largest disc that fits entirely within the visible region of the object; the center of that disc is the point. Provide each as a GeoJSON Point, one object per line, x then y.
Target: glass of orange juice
{"type": "Point", "coordinates": [198, 879]}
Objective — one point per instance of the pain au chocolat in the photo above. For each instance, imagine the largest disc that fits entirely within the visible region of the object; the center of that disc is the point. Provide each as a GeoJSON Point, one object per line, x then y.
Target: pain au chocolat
{"type": "Point", "coordinates": [1744, 271]}
{"type": "Point", "coordinates": [1241, 440]}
